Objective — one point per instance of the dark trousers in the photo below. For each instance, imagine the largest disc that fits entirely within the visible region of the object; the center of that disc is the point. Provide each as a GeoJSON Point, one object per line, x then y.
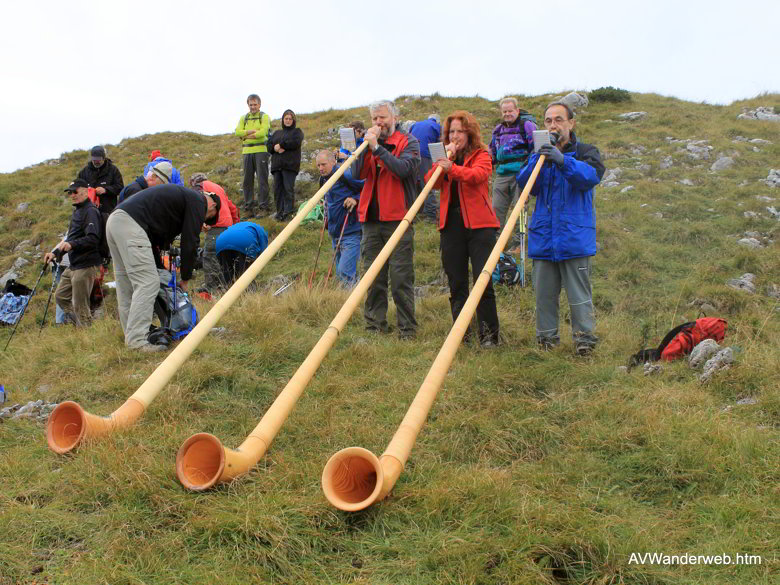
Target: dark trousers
{"type": "Point", "coordinates": [256, 164]}
{"type": "Point", "coordinates": [233, 265]}
{"type": "Point", "coordinates": [458, 246]}
{"type": "Point", "coordinates": [400, 267]}
{"type": "Point", "coordinates": [284, 191]}
{"type": "Point", "coordinates": [211, 267]}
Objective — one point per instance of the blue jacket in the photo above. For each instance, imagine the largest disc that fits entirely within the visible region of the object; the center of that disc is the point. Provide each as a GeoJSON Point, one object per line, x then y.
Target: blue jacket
{"type": "Point", "coordinates": [426, 132]}
{"type": "Point", "coordinates": [175, 175]}
{"type": "Point", "coordinates": [563, 225]}
{"type": "Point", "coordinates": [345, 187]}
{"type": "Point", "coordinates": [244, 237]}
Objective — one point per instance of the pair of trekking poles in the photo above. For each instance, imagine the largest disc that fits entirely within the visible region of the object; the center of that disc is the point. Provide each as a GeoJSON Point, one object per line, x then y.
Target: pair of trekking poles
{"type": "Point", "coordinates": [55, 270]}
{"type": "Point", "coordinates": [335, 253]}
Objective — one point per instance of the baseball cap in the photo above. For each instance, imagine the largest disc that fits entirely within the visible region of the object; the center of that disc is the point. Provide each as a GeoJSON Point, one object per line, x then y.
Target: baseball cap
{"type": "Point", "coordinates": [74, 186]}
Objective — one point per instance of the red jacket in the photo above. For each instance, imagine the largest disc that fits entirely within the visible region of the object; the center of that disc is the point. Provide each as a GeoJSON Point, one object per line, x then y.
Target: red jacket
{"type": "Point", "coordinates": [472, 180]}
{"type": "Point", "coordinates": [228, 213]}
{"type": "Point", "coordinates": [396, 193]}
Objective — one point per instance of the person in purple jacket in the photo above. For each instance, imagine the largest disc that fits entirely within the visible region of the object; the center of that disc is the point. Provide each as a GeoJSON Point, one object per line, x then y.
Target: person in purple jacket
{"type": "Point", "coordinates": [426, 132]}
{"type": "Point", "coordinates": [512, 142]}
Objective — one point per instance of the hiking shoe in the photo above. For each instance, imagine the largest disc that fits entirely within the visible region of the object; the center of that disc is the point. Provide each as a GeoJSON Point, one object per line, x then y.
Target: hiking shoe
{"type": "Point", "coordinates": [152, 348]}
{"type": "Point", "coordinates": [584, 349]}
{"type": "Point", "coordinates": [407, 335]}
{"type": "Point", "coordinates": [546, 345]}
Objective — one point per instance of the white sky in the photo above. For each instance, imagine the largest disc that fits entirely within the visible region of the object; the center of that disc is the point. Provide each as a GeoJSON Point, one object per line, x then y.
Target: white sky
{"type": "Point", "coordinates": [78, 73]}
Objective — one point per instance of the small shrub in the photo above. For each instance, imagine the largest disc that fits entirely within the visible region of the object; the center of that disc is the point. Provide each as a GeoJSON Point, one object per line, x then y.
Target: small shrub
{"type": "Point", "coordinates": [609, 94]}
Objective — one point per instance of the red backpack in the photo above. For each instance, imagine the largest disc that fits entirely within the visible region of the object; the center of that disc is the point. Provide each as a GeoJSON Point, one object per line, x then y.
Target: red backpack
{"type": "Point", "coordinates": [681, 340]}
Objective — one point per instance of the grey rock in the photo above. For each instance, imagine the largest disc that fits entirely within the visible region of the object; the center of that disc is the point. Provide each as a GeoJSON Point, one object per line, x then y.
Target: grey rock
{"type": "Point", "coordinates": [21, 245]}
{"type": "Point", "coordinates": [760, 113]}
{"type": "Point", "coordinates": [707, 309]}
{"type": "Point", "coordinates": [773, 178]}
{"type": "Point", "coordinates": [644, 168]}
{"type": "Point", "coordinates": [752, 243]}
{"type": "Point", "coordinates": [653, 369]}
{"type": "Point", "coordinates": [627, 188]}
{"type": "Point", "coordinates": [686, 182]}
{"type": "Point", "coordinates": [697, 151]}
{"type": "Point", "coordinates": [719, 362]}
{"type": "Point", "coordinates": [304, 177]}
{"type": "Point", "coordinates": [658, 215]}
{"type": "Point", "coordinates": [8, 276]}
{"type": "Point", "coordinates": [759, 141]}
{"type": "Point", "coordinates": [612, 175]}
{"type": "Point", "coordinates": [751, 214]}
{"type": "Point", "coordinates": [637, 150]}
{"type": "Point", "coordinates": [666, 162]}
{"type": "Point", "coordinates": [702, 352]}
{"type": "Point", "coordinates": [773, 212]}
{"type": "Point", "coordinates": [744, 282]}
{"type": "Point", "coordinates": [622, 369]}
{"type": "Point", "coordinates": [772, 290]}
{"type": "Point", "coordinates": [20, 263]}
{"type": "Point", "coordinates": [722, 163]}
{"type": "Point", "coordinates": [740, 139]}
{"type": "Point", "coordinates": [22, 206]}
{"type": "Point", "coordinates": [749, 401]}
{"type": "Point", "coordinates": [764, 198]}
{"type": "Point", "coordinates": [222, 170]}
{"type": "Point", "coordinates": [610, 184]}
{"type": "Point", "coordinates": [633, 116]}
{"type": "Point", "coordinates": [406, 125]}
{"type": "Point", "coordinates": [575, 101]}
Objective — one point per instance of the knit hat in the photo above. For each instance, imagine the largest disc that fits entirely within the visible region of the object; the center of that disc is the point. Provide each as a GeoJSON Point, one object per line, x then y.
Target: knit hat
{"type": "Point", "coordinates": [154, 154]}
{"type": "Point", "coordinates": [163, 170]}
{"type": "Point", "coordinates": [197, 178]}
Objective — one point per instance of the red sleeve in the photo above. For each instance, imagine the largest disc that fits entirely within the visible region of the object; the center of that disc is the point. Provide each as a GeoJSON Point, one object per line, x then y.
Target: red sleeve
{"type": "Point", "coordinates": [478, 172]}
{"type": "Point", "coordinates": [233, 211]}
{"type": "Point", "coordinates": [429, 174]}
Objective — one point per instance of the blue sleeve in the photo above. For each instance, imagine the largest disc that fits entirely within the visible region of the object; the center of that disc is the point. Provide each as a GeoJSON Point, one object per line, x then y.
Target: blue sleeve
{"type": "Point", "coordinates": [354, 184]}
{"type": "Point", "coordinates": [579, 174]}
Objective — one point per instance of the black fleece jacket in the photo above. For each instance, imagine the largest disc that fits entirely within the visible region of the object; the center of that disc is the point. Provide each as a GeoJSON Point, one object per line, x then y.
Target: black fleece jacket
{"type": "Point", "coordinates": [164, 212]}
{"type": "Point", "coordinates": [107, 176]}
{"type": "Point", "coordinates": [84, 236]}
{"type": "Point", "coordinates": [290, 139]}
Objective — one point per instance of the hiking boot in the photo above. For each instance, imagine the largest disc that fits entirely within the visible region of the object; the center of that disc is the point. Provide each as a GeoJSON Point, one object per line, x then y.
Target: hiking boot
{"type": "Point", "coordinates": [546, 345]}
{"type": "Point", "coordinates": [375, 329]}
{"type": "Point", "coordinates": [153, 348]}
{"type": "Point", "coordinates": [407, 335]}
{"type": "Point", "coordinates": [584, 349]}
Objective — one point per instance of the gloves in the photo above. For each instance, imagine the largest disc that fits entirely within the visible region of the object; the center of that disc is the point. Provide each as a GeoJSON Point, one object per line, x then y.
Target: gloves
{"type": "Point", "coordinates": [552, 153]}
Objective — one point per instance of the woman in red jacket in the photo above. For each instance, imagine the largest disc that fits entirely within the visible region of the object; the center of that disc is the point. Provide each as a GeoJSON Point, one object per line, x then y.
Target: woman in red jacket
{"type": "Point", "coordinates": [467, 223]}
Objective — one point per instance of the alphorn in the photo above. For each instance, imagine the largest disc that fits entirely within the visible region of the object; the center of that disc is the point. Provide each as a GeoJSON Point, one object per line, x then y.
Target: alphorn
{"type": "Point", "coordinates": [202, 460]}
{"type": "Point", "coordinates": [69, 424]}
{"type": "Point", "coordinates": [354, 478]}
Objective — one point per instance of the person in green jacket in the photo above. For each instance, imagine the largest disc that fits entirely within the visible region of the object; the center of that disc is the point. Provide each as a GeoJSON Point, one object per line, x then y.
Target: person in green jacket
{"type": "Point", "coordinates": [253, 130]}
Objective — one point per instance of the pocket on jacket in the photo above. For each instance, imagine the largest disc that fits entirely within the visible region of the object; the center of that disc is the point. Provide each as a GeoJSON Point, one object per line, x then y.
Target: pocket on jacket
{"type": "Point", "coordinates": [576, 240]}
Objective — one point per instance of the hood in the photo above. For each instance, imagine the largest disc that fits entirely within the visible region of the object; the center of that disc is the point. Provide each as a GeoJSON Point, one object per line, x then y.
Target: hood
{"type": "Point", "coordinates": [294, 117]}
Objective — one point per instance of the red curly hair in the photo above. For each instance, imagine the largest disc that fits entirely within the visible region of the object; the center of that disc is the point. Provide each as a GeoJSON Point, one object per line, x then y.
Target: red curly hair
{"type": "Point", "coordinates": [470, 125]}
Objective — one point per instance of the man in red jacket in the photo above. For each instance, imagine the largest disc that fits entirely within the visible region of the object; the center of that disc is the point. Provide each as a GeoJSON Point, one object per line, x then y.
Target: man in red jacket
{"type": "Point", "coordinates": [228, 215]}
{"type": "Point", "coordinates": [389, 167]}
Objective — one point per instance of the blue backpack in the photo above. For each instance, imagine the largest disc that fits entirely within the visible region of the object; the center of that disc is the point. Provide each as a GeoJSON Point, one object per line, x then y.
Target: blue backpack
{"type": "Point", "coordinates": [506, 271]}
{"type": "Point", "coordinates": [173, 307]}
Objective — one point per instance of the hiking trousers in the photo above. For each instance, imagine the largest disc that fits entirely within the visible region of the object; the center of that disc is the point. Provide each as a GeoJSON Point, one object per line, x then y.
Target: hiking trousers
{"type": "Point", "coordinates": [574, 275]}
{"type": "Point", "coordinates": [211, 268]}
{"type": "Point", "coordinates": [505, 194]}
{"type": "Point", "coordinates": [256, 165]}
{"type": "Point", "coordinates": [284, 192]}
{"type": "Point", "coordinates": [135, 272]}
{"type": "Point", "coordinates": [73, 292]}
{"type": "Point", "coordinates": [400, 267]}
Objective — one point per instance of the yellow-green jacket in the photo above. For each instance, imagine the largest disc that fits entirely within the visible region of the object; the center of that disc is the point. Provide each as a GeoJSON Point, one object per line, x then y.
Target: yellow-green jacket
{"type": "Point", "coordinates": [259, 122]}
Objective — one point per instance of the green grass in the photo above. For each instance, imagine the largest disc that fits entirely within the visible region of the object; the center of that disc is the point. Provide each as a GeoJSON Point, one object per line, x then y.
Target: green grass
{"type": "Point", "coordinates": [532, 468]}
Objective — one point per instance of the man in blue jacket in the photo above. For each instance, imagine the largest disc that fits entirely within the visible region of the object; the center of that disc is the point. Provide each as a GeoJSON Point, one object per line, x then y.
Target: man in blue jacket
{"type": "Point", "coordinates": [426, 132]}
{"type": "Point", "coordinates": [341, 201]}
{"type": "Point", "coordinates": [237, 247]}
{"type": "Point", "coordinates": [562, 234]}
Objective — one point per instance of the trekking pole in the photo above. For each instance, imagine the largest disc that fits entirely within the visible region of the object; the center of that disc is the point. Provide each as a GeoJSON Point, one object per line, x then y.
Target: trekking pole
{"type": "Point", "coordinates": [45, 266]}
{"type": "Point", "coordinates": [55, 269]}
{"type": "Point", "coordinates": [338, 246]}
{"type": "Point", "coordinates": [317, 257]}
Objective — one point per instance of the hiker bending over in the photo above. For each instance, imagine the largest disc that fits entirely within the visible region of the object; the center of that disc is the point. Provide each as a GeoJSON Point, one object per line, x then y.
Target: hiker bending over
{"type": "Point", "coordinates": [237, 247]}
{"type": "Point", "coordinates": [155, 216]}
{"type": "Point", "coordinates": [467, 223]}
{"type": "Point", "coordinates": [82, 247]}
{"type": "Point", "coordinates": [389, 167]}
{"type": "Point", "coordinates": [340, 202]}
{"type": "Point", "coordinates": [562, 233]}
{"type": "Point", "coordinates": [104, 176]}
{"type": "Point", "coordinates": [155, 158]}
{"type": "Point", "coordinates": [253, 129]}
{"type": "Point", "coordinates": [285, 148]}
{"type": "Point", "coordinates": [228, 215]}
{"type": "Point", "coordinates": [159, 174]}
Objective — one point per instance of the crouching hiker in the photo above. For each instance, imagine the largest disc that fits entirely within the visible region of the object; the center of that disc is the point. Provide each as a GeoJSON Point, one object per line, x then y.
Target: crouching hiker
{"type": "Point", "coordinates": [237, 247]}
{"type": "Point", "coordinates": [81, 244]}
{"type": "Point", "coordinates": [153, 217]}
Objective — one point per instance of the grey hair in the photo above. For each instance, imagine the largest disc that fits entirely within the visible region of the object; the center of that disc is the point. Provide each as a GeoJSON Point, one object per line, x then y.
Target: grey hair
{"type": "Point", "coordinates": [327, 152]}
{"type": "Point", "coordinates": [373, 107]}
{"type": "Point", "coordinates": [569, 111]}
{"type": "Point", "coordinates": [255, 97]}
{"type": "Point", "coordinates": [509, 99]}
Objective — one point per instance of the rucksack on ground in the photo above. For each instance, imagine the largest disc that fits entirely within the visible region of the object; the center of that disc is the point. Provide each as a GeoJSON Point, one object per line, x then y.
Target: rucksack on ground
{"type": "Point", "coordinates": [173, 307]}
{"type": "Point", "coordinates": [681, 340]}
{"type": "Point", "coordinates": [506, 271]}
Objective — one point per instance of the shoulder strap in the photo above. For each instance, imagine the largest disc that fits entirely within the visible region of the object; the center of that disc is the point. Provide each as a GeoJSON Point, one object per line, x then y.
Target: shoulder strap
{"type": "Point", "coordinates": [673, 333]}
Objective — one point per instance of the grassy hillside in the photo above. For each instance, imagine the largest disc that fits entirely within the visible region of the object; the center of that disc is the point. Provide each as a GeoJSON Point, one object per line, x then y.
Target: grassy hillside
{"type": "Point", "coordinates": [533, 467]}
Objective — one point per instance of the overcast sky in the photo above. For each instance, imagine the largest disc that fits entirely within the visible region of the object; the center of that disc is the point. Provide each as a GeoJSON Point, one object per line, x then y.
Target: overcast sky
{"type": "Point", "coordinates": [77, 73]}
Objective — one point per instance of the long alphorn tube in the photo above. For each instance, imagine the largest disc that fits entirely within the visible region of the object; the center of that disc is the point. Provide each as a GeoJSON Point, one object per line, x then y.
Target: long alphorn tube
{"type": "Point", "coordinates": [354, 478]}
{"type": "Point", "coordinates": [69, 424]}
{"type": "Point", "coordinates": [202, 460]}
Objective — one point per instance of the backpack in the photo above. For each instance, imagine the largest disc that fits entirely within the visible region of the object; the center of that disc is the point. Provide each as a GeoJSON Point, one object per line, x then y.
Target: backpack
{"type": "Point", "coordinates": [681, 340]}
{"type": "Point", "coordinates": [174, 309]}
{"type": "Point", "coordinates": [316, 214]}
{"type": "Point", "coordinates": [506, 271]}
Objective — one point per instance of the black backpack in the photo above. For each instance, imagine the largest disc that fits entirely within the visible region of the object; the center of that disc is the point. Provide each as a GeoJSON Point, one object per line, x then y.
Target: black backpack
{"type": "Point", "coordinates": [174, 309]}
{"type": "Point", "coordinates": [506, 271]}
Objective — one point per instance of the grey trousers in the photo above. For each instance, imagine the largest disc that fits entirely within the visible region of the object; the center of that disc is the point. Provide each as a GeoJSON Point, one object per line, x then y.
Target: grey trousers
{"type": "Point", "coordinates": [574, 274]}
{"type": "Point", "coordinates": [211, 267]}
{"type": "Point", "coordinates": [73, 292]}
{"type": "Point", "coordinates": [505, 194]}
{"type": "Point", "coordinates": [137, 281]}
{"type": "Point", "coordinates": [256, 164]}
{"type": "Point", "coordinates": [400, 266]}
